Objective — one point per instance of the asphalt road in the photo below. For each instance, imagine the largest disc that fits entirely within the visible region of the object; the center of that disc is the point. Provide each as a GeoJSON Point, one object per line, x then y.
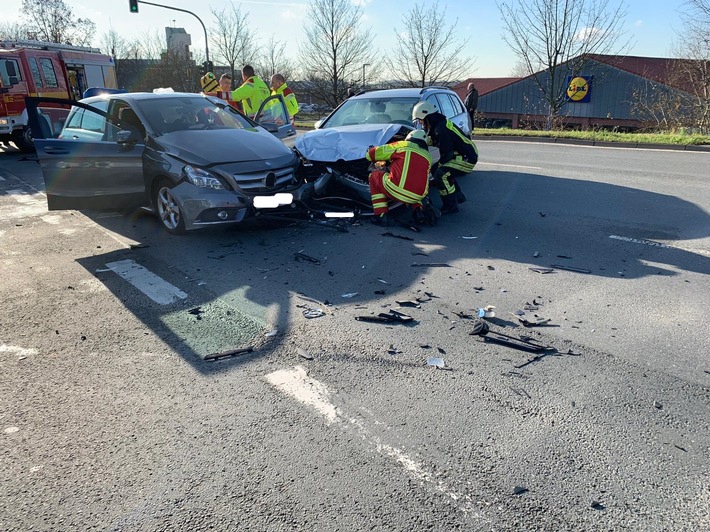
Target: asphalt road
{"type": "Point", "coordinates": [112, 419]}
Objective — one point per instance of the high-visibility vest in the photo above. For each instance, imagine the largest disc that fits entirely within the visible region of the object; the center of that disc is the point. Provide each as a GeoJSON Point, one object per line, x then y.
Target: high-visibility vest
{"type": "Point", "coordinates": [252, 94]}
{"type": "Point", "coordinates": [289, 98]}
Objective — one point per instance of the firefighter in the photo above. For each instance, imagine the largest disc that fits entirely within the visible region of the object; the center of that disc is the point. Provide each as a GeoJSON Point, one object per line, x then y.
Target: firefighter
{"type": "Point", "coordinates": [406, 179]}
{"type": "Point", "coordinates": [458, 154]}
{"type": "Point", "coordinates": [251, 93]}
{"type": "Point", "coordinates": [278, 86]}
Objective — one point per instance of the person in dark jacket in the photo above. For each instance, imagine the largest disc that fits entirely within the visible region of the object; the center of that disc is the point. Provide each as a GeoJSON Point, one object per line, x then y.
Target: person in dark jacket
{"type": "Point", "coordinates": [457, 154]}
{"type": "Point", "coordinates": [471, 103]}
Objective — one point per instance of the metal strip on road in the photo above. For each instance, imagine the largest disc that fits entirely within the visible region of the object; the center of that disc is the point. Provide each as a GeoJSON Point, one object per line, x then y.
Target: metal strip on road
{"type": "Point", "coordinates": [157, 289]}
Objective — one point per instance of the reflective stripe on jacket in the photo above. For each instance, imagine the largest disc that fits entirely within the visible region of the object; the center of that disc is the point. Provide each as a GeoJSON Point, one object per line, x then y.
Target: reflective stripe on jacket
{"type": "Point", "coordinates": [289, 98]}
{"type": "Point", "coordinates": [456, 150]}
{"type": "Point", "coordinates": [408, 175]}
{"type": "Point", "coordinates": [252, 94]}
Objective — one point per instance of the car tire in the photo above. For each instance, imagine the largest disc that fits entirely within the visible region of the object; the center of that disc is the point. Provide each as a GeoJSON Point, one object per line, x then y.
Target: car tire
{"type": "Point", "coordinates": [167, 208]}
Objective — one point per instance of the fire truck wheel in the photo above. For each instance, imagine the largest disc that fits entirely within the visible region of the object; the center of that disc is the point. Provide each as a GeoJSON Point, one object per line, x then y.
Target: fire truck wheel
{"type": "Point", "coordinates": [24, 141]}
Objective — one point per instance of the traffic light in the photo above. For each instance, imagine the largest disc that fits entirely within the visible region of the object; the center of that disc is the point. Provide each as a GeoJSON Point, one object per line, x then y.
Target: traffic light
{"type": "Point", "coordinates": [133, 5]}
{"type": "Point", "coordinates": [207, 66]}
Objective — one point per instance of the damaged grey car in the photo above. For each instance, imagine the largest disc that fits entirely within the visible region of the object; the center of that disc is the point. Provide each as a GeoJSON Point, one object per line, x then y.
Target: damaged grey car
{"type": "Point", "coordinates": [192, 159]}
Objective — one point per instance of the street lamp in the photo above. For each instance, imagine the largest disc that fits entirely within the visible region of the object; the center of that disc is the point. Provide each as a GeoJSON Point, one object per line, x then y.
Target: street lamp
{"type": "Point", "coordinates": [363, 73]}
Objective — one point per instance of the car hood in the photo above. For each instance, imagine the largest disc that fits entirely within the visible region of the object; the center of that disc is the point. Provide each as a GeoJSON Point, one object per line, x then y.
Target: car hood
{"type": "Point", "coordinates": [346, 143]}
{"type": "Point", "coordinates": [223, 146]}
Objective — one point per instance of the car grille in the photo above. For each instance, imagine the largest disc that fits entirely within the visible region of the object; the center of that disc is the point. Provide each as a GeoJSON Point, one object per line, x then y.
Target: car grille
{"type": "Point", "coordinates": [262, 182]}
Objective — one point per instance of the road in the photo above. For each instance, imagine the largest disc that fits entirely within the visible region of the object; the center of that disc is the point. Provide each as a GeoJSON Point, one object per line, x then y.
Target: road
{"type": "Point", "coordinates": [113, 419]}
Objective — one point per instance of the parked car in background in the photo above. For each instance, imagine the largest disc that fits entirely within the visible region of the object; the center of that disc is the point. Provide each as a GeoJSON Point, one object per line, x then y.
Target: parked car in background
{"type": "Point", "coordinates": [193, 159]}
{"type": "Point", "coordinates": [372, 118]}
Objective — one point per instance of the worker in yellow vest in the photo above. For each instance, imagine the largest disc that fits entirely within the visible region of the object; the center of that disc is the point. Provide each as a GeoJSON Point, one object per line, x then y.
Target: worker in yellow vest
{"type": "Point", "coordinates": [278, 86]}
{"type": "Point", "coordinates": [251, 93]}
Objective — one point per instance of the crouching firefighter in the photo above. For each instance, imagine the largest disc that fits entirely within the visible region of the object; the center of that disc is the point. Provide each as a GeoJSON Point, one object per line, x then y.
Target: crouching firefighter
{"type": "Point", "coordinates": [406, 180]}
{"type": "Point", "coordinates": [458, 154]}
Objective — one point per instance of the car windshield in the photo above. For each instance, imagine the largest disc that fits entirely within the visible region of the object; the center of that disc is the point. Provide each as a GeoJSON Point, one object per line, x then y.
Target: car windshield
{"type": "Point", "coordinates": [373, 111]}
{"type": "Point", "coordinates": [182, 113]}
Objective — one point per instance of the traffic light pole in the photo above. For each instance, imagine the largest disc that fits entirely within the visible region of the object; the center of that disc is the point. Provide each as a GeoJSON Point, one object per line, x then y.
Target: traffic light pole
{"type": "Point", "coordinates": [207, 47]}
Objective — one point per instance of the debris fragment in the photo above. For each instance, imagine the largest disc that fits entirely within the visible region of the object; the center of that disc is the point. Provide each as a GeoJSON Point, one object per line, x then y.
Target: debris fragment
{"type": "Point", "coordinates": [487, 312]}
{"type": "Point", "coordinates": [387, 317]}
{"type": "Point", "coordinates": [464, 316]}
{"type": "Point", "coordinates": [597, 505]}
{"type": "Point", "coordinates": [519, 490]}
{"type": "Point", "coordinates": [311, 313]}
{"type": "Point", "coordinates": [435, 361]}
{"type": "Point", "coordinates": [383, 281]}
{"type": "Point", "coordinates": [413, 304]}
{"type": "Point", "coordinates": [441, 350]}
{"type": "Point", "coordinates": [658, 405]}
{"type": "Point", "coordinates": [491, 267]}
{"type": "Point", "coordinates": [380, 292]}
{"type": "Point", "coordinates": [349, 295]}
{"type": "Point", "coordinates": [536, 254]}
{"type": "Point", "coordinates": [304, 354]}
{"type": "Point", "coordinates": [542, 270]}
{"type": "Point", "coordinates": [571, 268]}
{"type": "Point", "coordinates": [272, 333]}
{"type": "Point", "coordinates": [469, 237]}
{"type": "Point", "coordinates": [564, 257]}
{"type": "Point", "coordinates": [431, 265]}
{"type": "Point", "coordinates": [229, 354]}
{"type": "Point", "coordinates": [298, 256]}
{"type": "Point", "coordinates": [681, 448]}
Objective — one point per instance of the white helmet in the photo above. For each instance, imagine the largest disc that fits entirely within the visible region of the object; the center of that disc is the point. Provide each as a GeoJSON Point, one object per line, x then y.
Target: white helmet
{"type": "Point", "coordinates": [417, 134]}
{"type": "Point", "coordinates": [422, 110]}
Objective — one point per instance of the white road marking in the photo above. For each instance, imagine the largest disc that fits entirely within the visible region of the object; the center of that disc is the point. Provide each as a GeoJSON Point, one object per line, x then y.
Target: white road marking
{"type": "Point", "coordinates": [157, 289]}
{"type": "Point", "coordinates": [660, 245]}
{"type": "Point", "coordinates": [296, 383]}
{"type": "Point", "coordinates": [509, 165]}
{"type": "Point", "coordinates": [21, 351]}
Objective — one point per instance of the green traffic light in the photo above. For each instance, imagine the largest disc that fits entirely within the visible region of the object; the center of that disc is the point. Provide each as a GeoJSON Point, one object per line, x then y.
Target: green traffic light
{"type": "Point", "coordinates": [133, 5]}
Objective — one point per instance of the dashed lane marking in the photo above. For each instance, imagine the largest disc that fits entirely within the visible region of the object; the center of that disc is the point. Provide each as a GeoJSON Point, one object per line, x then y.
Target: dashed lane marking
{"type": "Point", "coordinates": [157, 289]}
{"type": "Point", "coordinates": [296, 383]}
{"type": "Point", "coordinates": [655, 244]}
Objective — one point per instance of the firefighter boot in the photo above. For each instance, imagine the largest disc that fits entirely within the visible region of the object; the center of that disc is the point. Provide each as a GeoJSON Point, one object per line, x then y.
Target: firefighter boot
{"type": "Point", "coordinates": [449, 204]}
{"type": "Point", "coordinates": [460, 197]}
{"type": "Point", "coordinates": [383, 220]}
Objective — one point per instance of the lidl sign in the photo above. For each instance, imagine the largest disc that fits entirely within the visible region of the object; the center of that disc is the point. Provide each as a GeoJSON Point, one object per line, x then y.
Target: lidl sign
{"type": "Point", "coordinates": [579, 88]}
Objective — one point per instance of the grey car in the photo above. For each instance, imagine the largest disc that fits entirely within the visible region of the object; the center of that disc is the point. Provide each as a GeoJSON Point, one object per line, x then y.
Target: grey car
{"type": "Point", "coordinates": [192, 158]}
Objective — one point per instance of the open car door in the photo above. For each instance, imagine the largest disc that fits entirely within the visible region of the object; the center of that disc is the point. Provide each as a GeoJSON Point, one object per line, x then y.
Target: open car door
{"type": "Point", "coordinates": [274, 117]}
{"type": "Point", "coordinates": [89, 159]}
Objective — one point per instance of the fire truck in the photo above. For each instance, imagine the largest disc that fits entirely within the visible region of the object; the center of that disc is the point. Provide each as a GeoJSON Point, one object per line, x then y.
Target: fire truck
{"type": "Point", "coordinates": [35, 68]}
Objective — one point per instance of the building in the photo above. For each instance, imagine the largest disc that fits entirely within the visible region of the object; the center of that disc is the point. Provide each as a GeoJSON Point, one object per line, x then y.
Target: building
{"type": "Point", "coordinates": [612, 92]}
{"type": "Point", "coordinates": [178, 42]}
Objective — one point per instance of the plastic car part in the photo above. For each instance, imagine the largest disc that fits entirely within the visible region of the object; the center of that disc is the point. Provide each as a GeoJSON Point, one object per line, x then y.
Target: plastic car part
{"type": "Point", "coordinates": [168, 209]}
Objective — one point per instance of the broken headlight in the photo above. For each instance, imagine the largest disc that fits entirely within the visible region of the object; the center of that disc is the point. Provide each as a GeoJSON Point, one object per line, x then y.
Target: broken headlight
{"type": "Point", "coordinates": [202, 178]}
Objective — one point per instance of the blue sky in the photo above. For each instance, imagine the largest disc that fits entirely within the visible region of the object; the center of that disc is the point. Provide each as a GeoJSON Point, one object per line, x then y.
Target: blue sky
{"type": "Point", "coordinates": [651, 24]}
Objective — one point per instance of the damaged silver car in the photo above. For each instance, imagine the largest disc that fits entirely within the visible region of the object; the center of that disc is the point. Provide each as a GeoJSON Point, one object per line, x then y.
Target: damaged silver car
{"type": "Point", "coordinates": [337, 147]}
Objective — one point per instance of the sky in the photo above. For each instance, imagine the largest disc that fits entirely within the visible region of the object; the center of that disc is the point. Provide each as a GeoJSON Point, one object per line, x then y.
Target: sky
{"type": "Point", "coordinates": [650, 24]}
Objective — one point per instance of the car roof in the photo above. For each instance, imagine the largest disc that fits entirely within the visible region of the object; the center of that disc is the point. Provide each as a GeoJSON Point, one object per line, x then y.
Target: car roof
{"type": "Point", "coordinates": [414, 92]}
{"type": "Point", "coordinates": [137, 96]}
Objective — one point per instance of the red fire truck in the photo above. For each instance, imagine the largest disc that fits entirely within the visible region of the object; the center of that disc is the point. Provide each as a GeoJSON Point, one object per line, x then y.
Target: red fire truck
{"type": "Point", "coordinates": [33, 68]}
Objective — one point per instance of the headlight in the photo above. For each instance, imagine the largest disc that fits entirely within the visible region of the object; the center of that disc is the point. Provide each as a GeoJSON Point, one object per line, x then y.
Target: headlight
{"type": "Point", "coordinates": [202, 178]}
{"type": "Point", "coordinates": [3, 121]}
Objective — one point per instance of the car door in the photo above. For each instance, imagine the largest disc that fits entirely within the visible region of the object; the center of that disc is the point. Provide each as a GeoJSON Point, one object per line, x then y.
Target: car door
{"type": "Point", "coordinates": [91, 165]}
{"type": "Point", "coordinates": [274, 117]}
{"type": "Point", "coordinates": [452, 110]}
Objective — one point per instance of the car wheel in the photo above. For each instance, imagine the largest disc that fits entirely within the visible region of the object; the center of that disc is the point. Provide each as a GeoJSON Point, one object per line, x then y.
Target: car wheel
{"type": "Point", "coordinates": [168, 209]}
{"type": "Point", "coordinates": [24, 141]}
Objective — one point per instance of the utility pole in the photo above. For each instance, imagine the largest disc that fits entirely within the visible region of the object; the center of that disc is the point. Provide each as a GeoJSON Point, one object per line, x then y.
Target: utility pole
{"type": "Point", "coordinates": [135, 10]}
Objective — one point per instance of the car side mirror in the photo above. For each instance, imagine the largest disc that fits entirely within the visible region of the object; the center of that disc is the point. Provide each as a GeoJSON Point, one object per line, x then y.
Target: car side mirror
{"type": "Point", "coordinates": [126, 136]}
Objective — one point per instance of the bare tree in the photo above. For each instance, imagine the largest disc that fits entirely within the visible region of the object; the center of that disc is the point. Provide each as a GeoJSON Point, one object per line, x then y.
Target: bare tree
{"type": "Point", "coordinates": [559, 35]}
{"type": "Point", "coordinates": [335, 49]}
{"type": "Point", "coordinates": [233, 39]}
{"type": "Point", "coordinates": [54, 21]}
{"type": "Point", "coordinates": [273, 60]}
{"type": "Point", "coordinates": [428, 50]}
{"type": "Point", "coordinates": [12, 31]}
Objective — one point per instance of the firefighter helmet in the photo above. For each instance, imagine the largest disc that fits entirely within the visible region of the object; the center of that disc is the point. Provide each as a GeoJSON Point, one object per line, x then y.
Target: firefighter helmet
{"type": "Point", "coordinates": [422, 110]}
{"type": "Point", "coordinates": [417, 134]}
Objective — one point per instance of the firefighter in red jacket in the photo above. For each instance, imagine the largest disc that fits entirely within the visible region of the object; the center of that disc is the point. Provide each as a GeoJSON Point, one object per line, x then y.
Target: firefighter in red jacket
{"type": "Point", "coordinates": [458, 154]}
{"type": "Point", "coordinates": [406, 179]}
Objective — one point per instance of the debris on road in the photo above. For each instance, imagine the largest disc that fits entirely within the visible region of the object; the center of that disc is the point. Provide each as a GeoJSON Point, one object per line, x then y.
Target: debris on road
{"type": "Point", "coordinates": [272, 333]}
{"type": "Point", "coordinates": [349, 295]}
{"type": "Point", "coordinates": [311, 313]}
{"type": "Point", "coordinates": [519, 490]}
{"type": "Point", "coordinates": [437, 362]}
{"type": "Point", "coordinates": [229, 354]}
{"type": "Point", "coordinates": [570, 268]}
{"type": "Point", "coordinates": [304, 354]}
{"type": "Point", "coordinates": [542, 270]}
{"type": "Point", "coordinates": [413, 304]}
{"type": "Point", "coordinates": [298, 256]}
{"type": "Point", "coordinates": [387, 317]}
{"type": "Point", "coordinates": [597, 505]}
{"type": "Point", "coordinates": [431, 265]}
{"type": "Point", "coordinates": [658, 405]}
{"type": "Point", "coordinates": [469, 237]}
{"type": "Point", "coordinates": [487, 312]}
